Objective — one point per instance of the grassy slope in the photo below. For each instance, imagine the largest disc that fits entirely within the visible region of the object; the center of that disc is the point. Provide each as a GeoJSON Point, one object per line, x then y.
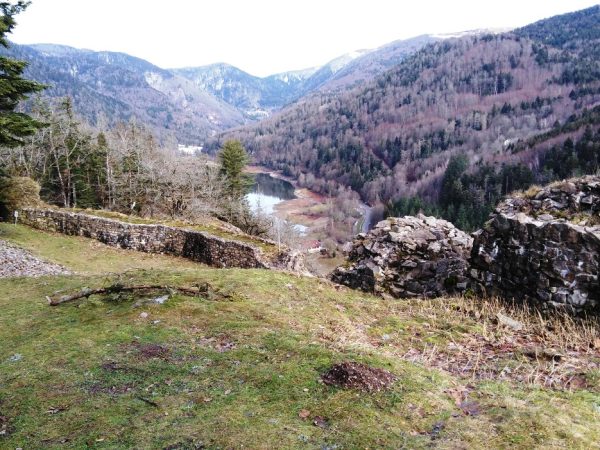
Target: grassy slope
{"type": "Point", "coordinates": [236, 373]}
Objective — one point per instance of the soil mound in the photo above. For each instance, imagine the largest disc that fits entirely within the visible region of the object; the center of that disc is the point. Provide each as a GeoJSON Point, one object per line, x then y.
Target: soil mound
{"type": "Point", "coordinates": [353, 375]}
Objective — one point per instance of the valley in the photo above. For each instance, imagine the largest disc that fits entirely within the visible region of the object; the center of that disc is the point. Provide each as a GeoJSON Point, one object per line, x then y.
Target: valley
{"type": "Point", "coordinates": [382, 131]}
{"type": "Point", "coordinates": [397, 247]}
{"type": "Point", "coordinates": [485, 97]}
{"type": "Point", "coordinates": [311, 216]}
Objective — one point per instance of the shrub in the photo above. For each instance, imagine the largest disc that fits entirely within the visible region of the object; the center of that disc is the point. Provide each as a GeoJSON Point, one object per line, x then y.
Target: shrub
{"type": "Point", "coordinates": [17, 193]}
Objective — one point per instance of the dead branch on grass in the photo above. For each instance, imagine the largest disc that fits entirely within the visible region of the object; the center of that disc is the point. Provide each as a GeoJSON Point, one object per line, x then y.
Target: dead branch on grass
{"type": "Point", "coordinates": [202, 290]}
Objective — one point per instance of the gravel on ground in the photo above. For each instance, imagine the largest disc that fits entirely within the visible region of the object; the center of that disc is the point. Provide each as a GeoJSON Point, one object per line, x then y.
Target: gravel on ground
{"type": "Point", "coordinates": [17, 262]}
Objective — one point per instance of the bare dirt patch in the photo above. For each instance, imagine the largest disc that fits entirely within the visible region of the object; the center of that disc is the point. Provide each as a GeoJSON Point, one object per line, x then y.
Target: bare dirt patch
{"type": "Point", "coordinates": [353, 375]}
{"type": "Point", "coordinates": [149, 351]}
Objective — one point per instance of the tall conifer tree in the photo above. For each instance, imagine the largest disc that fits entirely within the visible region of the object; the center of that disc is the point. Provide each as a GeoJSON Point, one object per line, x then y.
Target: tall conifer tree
{"type": "Point", "coordinates": [13, 87]}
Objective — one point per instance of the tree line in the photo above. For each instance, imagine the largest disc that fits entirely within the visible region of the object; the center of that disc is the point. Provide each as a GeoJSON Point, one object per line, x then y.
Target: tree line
{"type": "Point", "coordinates": [468, 196]}
{"type": "Point", "coordinates": [124, 169]}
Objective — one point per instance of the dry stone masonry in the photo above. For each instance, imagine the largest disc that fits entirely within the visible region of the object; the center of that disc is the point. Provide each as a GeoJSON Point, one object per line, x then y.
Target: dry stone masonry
{"type": "Point", "coordinates": [195, 245]}
{"type": "Point", "coordinates": [543, 247]}
{"type": "Point", "coordinates": [408, 257]}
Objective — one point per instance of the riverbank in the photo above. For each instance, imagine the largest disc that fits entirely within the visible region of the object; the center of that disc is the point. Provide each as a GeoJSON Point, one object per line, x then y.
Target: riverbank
{"type": "Point", "coordinates": [309, 210]}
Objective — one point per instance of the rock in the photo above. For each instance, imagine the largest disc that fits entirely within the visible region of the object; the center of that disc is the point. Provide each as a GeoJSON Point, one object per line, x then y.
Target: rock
{"type": "Point", "coordinates": [509, 322]}
{"type": "Point", "coordinates": [17, 262]}
{"type": "Point", "coordinates": [162, 299]}
{"type": "Point", "coordinates": [544, 250]}
{"type": "Point", "coordinates": [144, 315]}
{"type": "Point", "coordinates": [408, 257]}
{"type": "Point", "coordinates": [16, 357]}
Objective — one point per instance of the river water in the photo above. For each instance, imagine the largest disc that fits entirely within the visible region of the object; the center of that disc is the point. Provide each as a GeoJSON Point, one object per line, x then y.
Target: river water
{"type": "Point", "coordinates": [268, 192]}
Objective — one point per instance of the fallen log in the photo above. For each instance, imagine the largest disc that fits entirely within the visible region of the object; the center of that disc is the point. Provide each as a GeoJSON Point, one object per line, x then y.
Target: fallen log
{"type": "Point", "coordinates": [86, 292]}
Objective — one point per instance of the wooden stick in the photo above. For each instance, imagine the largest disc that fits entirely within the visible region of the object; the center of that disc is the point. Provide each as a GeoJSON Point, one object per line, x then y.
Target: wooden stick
{"type": "Point", "coordinates": [149, 402]}
{"type": "Point", "coordinates": [86, 292]}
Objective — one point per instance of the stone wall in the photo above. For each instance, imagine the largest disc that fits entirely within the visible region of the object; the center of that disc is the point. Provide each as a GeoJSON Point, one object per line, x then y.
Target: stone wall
{"type": "Point", "coordinates": [195, 245]}
{"type": "Point", "coordinates": [544, 247]}
{"type": "Point", "coordinates": [408, 257]}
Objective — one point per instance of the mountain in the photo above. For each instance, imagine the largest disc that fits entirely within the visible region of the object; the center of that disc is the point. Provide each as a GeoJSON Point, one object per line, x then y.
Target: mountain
{"type": "Point", "coordinates": [112, 87]}
{"type": "Point", "coordinates": [500, 101]}
{"type": "Point", "coordinates": [329, 71]}
{"type": "Point", "coordinates": [258, 97]}
{"type": "Point", "coordinates": [191, 104]}
{"type": "Point", "coordinates": [370, 64]}
{"type": "Point", "coordinates": [254, 96]}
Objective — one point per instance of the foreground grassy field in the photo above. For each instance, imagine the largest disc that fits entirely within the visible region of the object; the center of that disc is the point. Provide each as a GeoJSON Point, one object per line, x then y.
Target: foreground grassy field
{"type": "Point", "coordinates": [242, 369]}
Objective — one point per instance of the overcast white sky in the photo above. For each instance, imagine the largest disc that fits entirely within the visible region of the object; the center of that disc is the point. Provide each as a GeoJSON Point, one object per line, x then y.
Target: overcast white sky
{"type": "Point", "coordinates": [263, 36]}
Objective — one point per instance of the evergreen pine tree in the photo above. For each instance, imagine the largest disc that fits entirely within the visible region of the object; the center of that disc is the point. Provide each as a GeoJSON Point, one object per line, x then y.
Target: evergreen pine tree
{"type": "Point", "coordinates": [13, 87]}
{"type": "Point", "coordinates": [233, 158]}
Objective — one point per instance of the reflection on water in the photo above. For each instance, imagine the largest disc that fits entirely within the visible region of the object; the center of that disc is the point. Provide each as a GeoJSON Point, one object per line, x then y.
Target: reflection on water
{"type": "Point", "coordinates": [274, 187]}
{"type": "Point", "coordinates": [268, 192]}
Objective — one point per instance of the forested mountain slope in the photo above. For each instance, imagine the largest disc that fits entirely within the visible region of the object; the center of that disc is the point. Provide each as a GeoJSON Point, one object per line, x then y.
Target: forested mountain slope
{"type": "Point", "coordinates": [479, 96]}
{"type": "Point", "coordinates": [190, 104]}
{"type": "Point", "coordinates": [373, 63]}
{"type": "Point", "coordinates": [257, 97]}
{"type": "Point", "coordinates": [111, 87]}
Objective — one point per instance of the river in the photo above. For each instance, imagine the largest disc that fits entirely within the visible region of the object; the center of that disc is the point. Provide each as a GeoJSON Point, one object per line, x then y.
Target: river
{"type": "Point", "coordinates": [268, 191]}
{"type": "Point", "coordinates": [365, 223]}
{"type": "Point", "coordinates": [276, 196]}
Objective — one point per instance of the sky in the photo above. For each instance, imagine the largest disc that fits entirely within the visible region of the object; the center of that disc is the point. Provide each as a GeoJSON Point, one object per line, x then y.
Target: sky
{"type": "Point", "coordinates": [263, 37]}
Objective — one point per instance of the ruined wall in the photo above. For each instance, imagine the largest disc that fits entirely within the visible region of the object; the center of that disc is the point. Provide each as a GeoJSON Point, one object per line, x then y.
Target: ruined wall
{"type": "Point", "coordinates": [194, 245]}
{"type": "Point", "coordinates": [544, 247]}
{"type": "Point", "coordinates": [408, 257]}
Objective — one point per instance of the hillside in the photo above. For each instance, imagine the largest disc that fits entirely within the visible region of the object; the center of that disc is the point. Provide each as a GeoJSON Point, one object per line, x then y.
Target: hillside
{"type": "Point", "coordinates": [245, 365]}
{"type": "Point", "coordinates": [259, 97]}
{"type": "Point", "coordinates": [254, 96]}
{"type": "Point", "coordinates": [111, 87]}
{"type": "Point", "coordinates": [372, 63]}
{"type": "Point", "coordinates": [190, 104]}
{"type": "Point", "coordinates": [475, 96]}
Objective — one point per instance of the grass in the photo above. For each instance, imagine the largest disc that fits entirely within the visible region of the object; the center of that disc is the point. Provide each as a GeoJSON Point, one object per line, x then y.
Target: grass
{"type": "Point", "coordinates": [236, 373]}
